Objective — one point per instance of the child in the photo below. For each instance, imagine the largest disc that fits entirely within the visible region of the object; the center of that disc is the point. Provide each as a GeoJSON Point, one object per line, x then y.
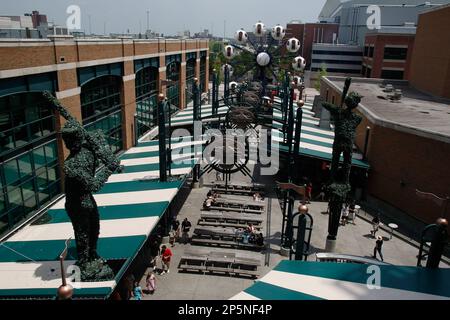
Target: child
{"type": "Point", "coordinates": [151, 282]}
{"type": "Point", "coordinates": [137, 291]}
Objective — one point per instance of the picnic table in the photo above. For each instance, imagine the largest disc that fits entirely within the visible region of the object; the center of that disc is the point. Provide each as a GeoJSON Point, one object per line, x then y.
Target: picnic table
{"type": "Point", "coordinates": [219, 262]}
{"type": "Point", "coordinates": [221, 236]}
{"type": "Point", "coordinates": [241, 206]}
{"type": "Point", "coordinates": [231, 217]}
{"type": "Point", "coordinates": [242, 189]}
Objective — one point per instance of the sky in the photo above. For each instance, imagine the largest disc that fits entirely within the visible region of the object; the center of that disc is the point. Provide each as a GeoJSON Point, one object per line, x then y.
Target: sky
{"type": "Point", "coordinates": [171, 16]}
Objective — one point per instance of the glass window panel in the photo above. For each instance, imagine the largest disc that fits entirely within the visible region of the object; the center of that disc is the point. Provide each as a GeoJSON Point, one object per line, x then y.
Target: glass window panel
{"type": "Point", "coordinates": [52, 174]}
{"type": "Point", "coordinates": [39, 157]}
{"type": "Point", "coordinates": [14, 197]}
{"type": "Point", "coordinates": [50, 152]}
{"type": "Point", "coordinates": [25, 165]}
{"type": "Point", "coordinates": [2, 203]}
{"type": "Point", "coordinates": [21, 136]}
{"type": "Point", "coordinates": [4, 223]}
{"type": "Point", "coordinates": [11, 171]}
{"type": "Point", "coordinates": [6, 140]}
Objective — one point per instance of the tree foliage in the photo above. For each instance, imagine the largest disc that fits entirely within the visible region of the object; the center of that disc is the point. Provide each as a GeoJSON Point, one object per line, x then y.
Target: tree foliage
{"type": "Point", "coordinates": [322, 73]}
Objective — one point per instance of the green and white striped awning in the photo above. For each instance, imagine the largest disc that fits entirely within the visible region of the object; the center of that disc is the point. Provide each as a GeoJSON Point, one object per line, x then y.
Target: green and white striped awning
{"type": "Point", "coordinates": [129, 210]}
{"type": "Point", "coordinates": [315, 141]}
{"type": "Point", "coordinates": [300, 280]}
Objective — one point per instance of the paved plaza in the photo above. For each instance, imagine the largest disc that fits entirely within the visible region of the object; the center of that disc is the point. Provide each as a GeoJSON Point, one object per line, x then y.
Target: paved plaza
{"type": "Point", "coordinates": [353, 239]}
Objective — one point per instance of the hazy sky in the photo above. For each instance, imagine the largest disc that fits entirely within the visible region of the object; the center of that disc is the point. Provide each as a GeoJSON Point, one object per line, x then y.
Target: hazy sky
{"type": "Point", "coordinates": [171, 16]}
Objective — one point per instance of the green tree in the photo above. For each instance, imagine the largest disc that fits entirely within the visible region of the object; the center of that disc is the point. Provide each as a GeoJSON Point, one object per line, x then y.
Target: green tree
{"type": "Point", "coordinates": [322, 73]}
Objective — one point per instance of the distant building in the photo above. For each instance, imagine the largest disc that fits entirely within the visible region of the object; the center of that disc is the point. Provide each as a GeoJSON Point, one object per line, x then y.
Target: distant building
{"type": "Point", "coordinates": [352, 16]}
{"type": "Point", "coordinates": [388, 52]}
{"type": "Point", "coordinates": [31, 25]}
{"type": "Point", "coordinates": [310, 33]}
{"type": "Point", "coordinates": [338, 58]}
{"type": "Point", "coordinates": [203, 35]}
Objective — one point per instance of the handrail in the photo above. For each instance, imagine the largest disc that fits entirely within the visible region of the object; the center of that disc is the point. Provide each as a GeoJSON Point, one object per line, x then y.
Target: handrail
{"type": "Point", "coordinates": [345, 258]}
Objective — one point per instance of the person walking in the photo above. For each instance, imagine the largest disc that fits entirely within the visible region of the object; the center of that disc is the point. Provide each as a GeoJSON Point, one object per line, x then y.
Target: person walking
{"type": "Point", "coordinates": [375, 225]}
{"type": "Point", "coordinates": [176, 228]}
{"type": "Point", "coordinates": [185, 228]}
{"type": "Point", "coordinates": [345, 212]}
{"type": "Point", "coordinates": [166, 255]}
{"type": "Point", "coordinates": [151, 282]}
{"type": "Point", "coordinates": [378, 246]}
{"type": "Point", "coordinates": [321, 195]}
{"type": "Point", "coordinates": [154, 253]}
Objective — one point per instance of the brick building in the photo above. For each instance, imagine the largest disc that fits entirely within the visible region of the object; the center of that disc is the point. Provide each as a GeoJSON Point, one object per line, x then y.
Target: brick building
{"type": "Point", "coordinates": [311, 33]}
{"type": "Point", "coordinates": [388, 53]}
{"type": "Point", "coordinates": [108, 84]}
{"type": "Point", "coordinates": [408, 146]}
{"type": "Point", "coordinates": [430, 63]}
{"type": "Point", "coordinates": [409, 142]}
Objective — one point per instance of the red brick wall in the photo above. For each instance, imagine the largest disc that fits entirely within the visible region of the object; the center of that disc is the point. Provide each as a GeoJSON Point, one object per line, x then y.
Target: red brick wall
{"type": "Point", "coordinates": [380, 41]}
{"type": "Point", "coordinates": [430, 64]}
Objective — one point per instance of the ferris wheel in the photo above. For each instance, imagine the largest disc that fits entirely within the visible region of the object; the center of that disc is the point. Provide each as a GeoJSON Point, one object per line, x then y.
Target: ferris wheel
{"type": "Point", "coordinates": [269, 48]}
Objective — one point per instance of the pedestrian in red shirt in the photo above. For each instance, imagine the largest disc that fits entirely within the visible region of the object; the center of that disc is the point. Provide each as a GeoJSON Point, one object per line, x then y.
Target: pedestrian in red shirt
{"type": "Point", "coordinates": [166, 255]}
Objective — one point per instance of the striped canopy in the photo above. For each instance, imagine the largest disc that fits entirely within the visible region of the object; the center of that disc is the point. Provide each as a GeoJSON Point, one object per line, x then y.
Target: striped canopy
{"type": "Point", "coordinates": [301, 280]}
{"type": "Point", "coordinates": [315, 142]}
{"type": "Point", "coordinates": [129, 210]}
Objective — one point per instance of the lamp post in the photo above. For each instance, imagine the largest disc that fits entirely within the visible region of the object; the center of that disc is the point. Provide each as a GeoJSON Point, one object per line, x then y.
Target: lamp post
{"type": "Point", "coordinates": [65, 291]}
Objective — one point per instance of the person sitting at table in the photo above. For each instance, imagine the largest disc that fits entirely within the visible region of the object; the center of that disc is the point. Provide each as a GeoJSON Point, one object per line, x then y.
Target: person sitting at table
{"type": "Point", "coordinates": [208, 203]}
{"type": "Point", "coordinates": [250, 228]}
{"type": "Point", "coordinates": [257, 197]}
{"type": "Point", "coordinates": [259, 239]}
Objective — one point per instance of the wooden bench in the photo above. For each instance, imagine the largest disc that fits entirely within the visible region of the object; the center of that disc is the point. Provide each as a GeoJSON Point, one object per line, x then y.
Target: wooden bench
{"type": "Point", "coordinates": [226, 224]}
{"type": "Point", "coordinates": [231, 217]}
{"type": "Point", "coordinates": [225, 243]}
{"type": "Point", "coordinates": [240, 204]}
{"type": "Point", "coordinates": [239, 189]}
{"type": "Point", "coordinates": [220, 262]}
{"type": "Point", "coordinates": [226, 219]}
{"type": "Point", "coordinates": [240, 210]}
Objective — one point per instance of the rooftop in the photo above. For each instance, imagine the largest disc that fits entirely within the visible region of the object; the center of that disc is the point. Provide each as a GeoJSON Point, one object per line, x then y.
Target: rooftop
{"type": "Point", "coordinates": [416, 113]}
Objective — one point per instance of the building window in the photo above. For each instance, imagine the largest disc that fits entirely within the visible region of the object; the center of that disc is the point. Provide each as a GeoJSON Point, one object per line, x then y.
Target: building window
{"type": "Point", "coordinates": [366, 51]}
{"type": "Point", "coordinates": [371, 51]}
{"type": "Point", "coordinates": [24, 119]}
{"type": "Point", "coordinates": [101, 108]}
{"type": "Point", "coordinates": [29, 170]}
{"type": "Point", "coordinates": [395, 53]}
{"type": "Point", "coordinates": [392, 74]}
{"type": "Point", "coordinates": [173, 88]}
{"type": "Point", "coordinates": [146, 99]}
{"type": "Point", "coordinates": [339, 53]}
{"type": "Point", "coordinates": [190, 76]}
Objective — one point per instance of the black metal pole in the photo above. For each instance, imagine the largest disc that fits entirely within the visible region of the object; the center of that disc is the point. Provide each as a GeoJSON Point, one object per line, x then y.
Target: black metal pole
{"type": "Point", "coordinates": [162, 138]}
{"type": "Point", "coordinates": [437, 243]}
{"type": "Point", "coordinates": [301, 231]}
{"type": "Point", "coordinates": [298, 132]}
{"type": "Point", "coordinates": [226, 82]}
{"type": "Point", "coordinates": [196, 118]}
{"type": "Point", "coordinates": [136, 130]}
{"type": "Point", "coordinates": [366, 143]}
{"type": "Point", "coordinates": [214, 110]}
